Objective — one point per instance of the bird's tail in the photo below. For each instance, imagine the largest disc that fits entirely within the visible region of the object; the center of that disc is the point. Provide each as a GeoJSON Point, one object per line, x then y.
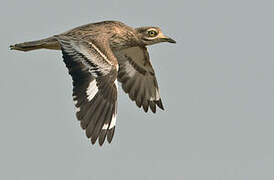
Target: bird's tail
{"type": "Point", "coordinates": [48, 43]}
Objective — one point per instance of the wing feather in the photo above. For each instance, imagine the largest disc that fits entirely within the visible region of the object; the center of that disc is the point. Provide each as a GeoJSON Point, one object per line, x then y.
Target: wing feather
{"type": "Point", "coordinates": [138, 78]}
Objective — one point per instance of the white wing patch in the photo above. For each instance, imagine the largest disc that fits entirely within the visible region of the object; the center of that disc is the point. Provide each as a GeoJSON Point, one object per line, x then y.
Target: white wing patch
{"type": "Point", "coordinates": [129, 69]}
{"type": "Point", "coordinates": [157, 96]}
{"type": "Point", "coordinates": [113, 121]}
{"type": "Point", "coordinates": [75, 100]}
{"type": "Point", "coordinates": [92, 90]}
{"type": "Point", "coordinates": [116, 83]}
{"type": "Point", "coordinates": [78, 109]}
{"type": "Point", "coordinates": [105, 126]}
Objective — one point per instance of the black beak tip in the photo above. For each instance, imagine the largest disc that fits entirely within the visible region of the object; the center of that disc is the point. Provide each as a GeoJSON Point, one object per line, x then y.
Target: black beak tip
{"type": "Point", "coordinates": [170, 40]}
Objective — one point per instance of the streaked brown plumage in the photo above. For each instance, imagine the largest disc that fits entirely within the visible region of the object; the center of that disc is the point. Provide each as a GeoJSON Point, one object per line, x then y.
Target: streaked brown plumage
{"type": "Point", "coordinates": [98, 54]}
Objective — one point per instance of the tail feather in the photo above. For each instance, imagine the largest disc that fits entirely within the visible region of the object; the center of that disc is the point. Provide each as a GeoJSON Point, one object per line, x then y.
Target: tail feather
{"type": "Point", "coordinates": [48, 43]}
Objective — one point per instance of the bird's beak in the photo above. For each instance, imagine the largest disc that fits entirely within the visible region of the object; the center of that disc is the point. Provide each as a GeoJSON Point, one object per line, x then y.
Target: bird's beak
{"type": "Point", "coordinates": [168, 39]}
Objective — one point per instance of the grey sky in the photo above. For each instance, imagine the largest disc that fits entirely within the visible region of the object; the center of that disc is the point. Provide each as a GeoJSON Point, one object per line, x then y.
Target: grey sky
{"type": "Point", "coordinates": [216, 84]}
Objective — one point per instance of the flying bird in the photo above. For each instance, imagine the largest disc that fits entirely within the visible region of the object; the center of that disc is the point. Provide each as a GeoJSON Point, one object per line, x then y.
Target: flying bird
{"type": "Point", "coordinates": [97, 55]}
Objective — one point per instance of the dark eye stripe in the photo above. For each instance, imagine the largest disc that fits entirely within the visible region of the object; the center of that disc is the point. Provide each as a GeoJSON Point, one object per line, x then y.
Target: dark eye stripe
{"type": "Point", "coordinates": [146, 39]}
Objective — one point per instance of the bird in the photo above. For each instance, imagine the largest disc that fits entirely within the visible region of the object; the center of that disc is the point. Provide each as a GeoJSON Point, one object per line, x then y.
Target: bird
{"type": "Point", "coordinates": [97, 56]}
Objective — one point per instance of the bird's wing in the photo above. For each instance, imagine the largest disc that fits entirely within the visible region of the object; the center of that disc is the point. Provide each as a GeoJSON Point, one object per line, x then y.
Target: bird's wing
{"type": "Point", "coordinates": [94, 76]}
{"type": "Point", "coordinates": [138, 77]}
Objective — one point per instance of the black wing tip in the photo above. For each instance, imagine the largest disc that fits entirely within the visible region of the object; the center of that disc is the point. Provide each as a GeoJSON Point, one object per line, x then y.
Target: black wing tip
{"type": "Point", "coordinates": [152, 106]}
{"type": "Point", "coordinates": [93, 141]}
{"type": "Point", "coordinates": [110, 134]}
{"type": "Point", "coordinates": [17, 47]}
{"type": "Point", "coordinates": [160, 104]}
{"type": "Point", "coordinates": [138, 103]}
{"type": "Point", "coordinates": [12, 47]}
{"type": "Point", "coordinates": [101, 143]}
{"type": "Point", "coordinates": [102, 140]}
{"type": "Point", "coordinates": [145, 108]}
{"type": "Point", "coordinates": [102, 136]}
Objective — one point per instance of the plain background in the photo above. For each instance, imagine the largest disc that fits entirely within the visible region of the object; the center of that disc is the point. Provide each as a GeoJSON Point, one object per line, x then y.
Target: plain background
{"type": "Point", "coordinates": [216, 84]}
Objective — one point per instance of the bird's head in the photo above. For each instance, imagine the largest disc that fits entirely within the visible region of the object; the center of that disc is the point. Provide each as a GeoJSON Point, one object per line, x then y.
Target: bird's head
{"type": "Point", "coordinates": [152, 35]}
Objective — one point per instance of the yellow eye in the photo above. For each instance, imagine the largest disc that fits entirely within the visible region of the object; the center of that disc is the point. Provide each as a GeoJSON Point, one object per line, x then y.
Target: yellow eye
{"type": "Point", "coordinates": [152, 33]}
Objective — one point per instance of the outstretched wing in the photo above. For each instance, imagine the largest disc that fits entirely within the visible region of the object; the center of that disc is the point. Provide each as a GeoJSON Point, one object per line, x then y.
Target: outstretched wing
{"type": "Point", "coordinates": [94, 76]}
{"type": "Point", "coordinates": [138, 78]}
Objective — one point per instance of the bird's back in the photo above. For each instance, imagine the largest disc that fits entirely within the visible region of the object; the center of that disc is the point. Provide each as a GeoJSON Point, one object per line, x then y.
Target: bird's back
{"type": "Point", "coordinates": [114, 30]}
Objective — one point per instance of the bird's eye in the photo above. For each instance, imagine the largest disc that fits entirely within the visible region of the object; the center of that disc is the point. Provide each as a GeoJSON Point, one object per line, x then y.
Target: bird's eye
{"type": "Point", "coordinates": [152, 33]}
